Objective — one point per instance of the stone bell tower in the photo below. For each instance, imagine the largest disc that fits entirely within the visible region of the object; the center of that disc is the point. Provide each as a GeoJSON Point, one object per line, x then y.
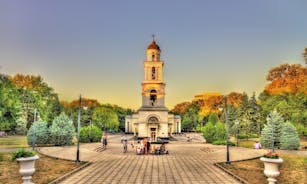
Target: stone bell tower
{"type": "Point", "coordinates": [152, 119]}
{"type": "Point", "coordinates": [153, 86]}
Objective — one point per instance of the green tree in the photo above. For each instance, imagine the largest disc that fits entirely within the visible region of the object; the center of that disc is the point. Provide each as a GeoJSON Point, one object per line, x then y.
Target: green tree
{"type": "Point", "coordinates": [291, 106]}
{"type": "Point", "coordinates": [289, 137]}
{"type": "Point", "coordinates": [10, 105]}
{"type": "Point", "coordinates": [270, 134]}
{"type": "Point", "coordinates": [38, 133]}
{"type": "Point", "coordinates": [62, 130]}
{"type": "Point", "coordinates": [220, 131]}
{"type": "Point", "coordinates": [21, 125]}
{"type": "Point", "coordinates": [209, 132]}
{"type": "Point", "coordinates": [105, 118]}
{"type": "Point", "coordinates": [90, 134]}
{"type": "Point", "coordinates": [213, 118]}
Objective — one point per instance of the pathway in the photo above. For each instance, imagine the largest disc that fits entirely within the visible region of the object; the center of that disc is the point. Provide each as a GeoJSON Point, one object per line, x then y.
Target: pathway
{"type": "Point", "coordinates": [188, 162]}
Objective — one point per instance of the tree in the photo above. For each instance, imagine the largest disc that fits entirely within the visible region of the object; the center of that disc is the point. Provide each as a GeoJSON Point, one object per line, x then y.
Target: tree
{"type": "Point", "coordinates": [105, 118]}
{"type": "Point", "coordinates": [62, 130]}
{"type": "Point", "coordinates": [209, 132]}
{"type": "Point", "coordinates": [270, 134]}
{"type": "Point", "coordinates": [21, 125]}
{"type": "Point", "coordinates": [35, 93]}
{"type": "Point", "coordinates": [289, 138]}
{"type": "Point", "coordinates": [213, 118]}
{"type": "Point", "coordinates": [190, 119]}
{"type": "Point", "coordinates": [287, 79]}
{"type": "Point", "coordinates": [220, 132]}
{"type": "Point", "coordinates": [38, 133]}
{"type": "Point", "coordinates": [90, 134]}
{"type": "Point", "coordinates": [291, 106]}
{"type": "Point", "coordinates": [10, 105]}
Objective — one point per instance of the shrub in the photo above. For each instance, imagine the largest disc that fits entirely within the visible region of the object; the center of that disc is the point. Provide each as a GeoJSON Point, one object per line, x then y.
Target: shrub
{"type": "Point", "coordinates": [223, 142]}
{"type": "Point", "coordinates": [62, 130]}
{"type": "Point", "coordinates": [220, 131]}
{"type": "Point", "coordinates": [21, 126]}
{"type": "Point", "coordinates": [253, 136]}
{"type": "Point", "coordinates": [38, 133]}
{"type": "Point", "coordinates": [289, 137]}
{"type": "Point", "coordinates": [209, 132]}
{"type": "Point", "coordinates": [242, 136]}
{"type": "Point", "coordinates": [22, 153]}
{"type": "Point", "coordinates": [90, 134]}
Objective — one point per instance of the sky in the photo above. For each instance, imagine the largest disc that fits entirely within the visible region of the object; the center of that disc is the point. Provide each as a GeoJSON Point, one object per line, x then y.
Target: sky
{"type": "Point", "coordinates": [97, 48]}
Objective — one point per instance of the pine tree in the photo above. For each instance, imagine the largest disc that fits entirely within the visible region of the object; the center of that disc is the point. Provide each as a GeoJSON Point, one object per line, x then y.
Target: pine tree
{"type": "Point", "coordinates": [62, 130]}
{"type": "Point", "coordinates": [271, 132]}
{"type": "Point", "coordinates": [289, 137]}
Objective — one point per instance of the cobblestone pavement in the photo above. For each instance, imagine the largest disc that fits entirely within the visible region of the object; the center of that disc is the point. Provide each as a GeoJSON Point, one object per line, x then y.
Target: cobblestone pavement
{"type": "Point", "coordinates": [186, 163]}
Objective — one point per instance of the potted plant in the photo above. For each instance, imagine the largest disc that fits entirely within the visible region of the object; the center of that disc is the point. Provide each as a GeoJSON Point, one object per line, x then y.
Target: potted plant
{"type": "Point", "coordinates": [271, 166]}
{"type": "Point", "coordinates": [26, 160]}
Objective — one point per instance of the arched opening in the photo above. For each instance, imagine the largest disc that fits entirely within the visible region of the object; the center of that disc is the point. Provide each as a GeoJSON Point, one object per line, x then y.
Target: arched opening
{"type": "Point", "coordinates": [153, 73]}
{"type": "Point", "coordinates": [153, 97]}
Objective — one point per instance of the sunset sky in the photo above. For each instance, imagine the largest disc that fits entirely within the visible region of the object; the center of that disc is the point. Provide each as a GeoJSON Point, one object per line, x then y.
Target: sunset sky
{"type": "Point", "coordinates": [97, 48]}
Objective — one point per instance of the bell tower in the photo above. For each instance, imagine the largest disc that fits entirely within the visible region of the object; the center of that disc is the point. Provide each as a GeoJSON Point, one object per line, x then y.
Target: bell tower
{"type": "Point", "coordinates": [153, 85]}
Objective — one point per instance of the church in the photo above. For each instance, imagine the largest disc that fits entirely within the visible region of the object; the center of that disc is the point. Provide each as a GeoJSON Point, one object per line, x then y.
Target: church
{"type": "Point", "coordinates": [153, 119]}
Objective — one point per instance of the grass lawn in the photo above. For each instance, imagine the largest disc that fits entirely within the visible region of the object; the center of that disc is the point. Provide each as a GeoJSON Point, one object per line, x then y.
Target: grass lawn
{"type": "Point", "coordinates": [14, 142]}
{"type": "Point", "coordinates": [293, 170]}
{"type": "Point", "coordinates": [47, 169]}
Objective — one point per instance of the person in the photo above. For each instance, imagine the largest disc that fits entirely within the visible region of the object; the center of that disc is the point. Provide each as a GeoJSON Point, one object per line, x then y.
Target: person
{"type": "Point", "coordinates": [104, 140]}
{"type": "Point", "coordinates": [257, 145]}
{"type": "Point", "coordinates": [125, 143]}
{"type": "Point", "coordinates": [132, 144]}
{"type": "Point", "coordinates": [163, 149]}
{"type": "Point", "coordinates": [148, 147]}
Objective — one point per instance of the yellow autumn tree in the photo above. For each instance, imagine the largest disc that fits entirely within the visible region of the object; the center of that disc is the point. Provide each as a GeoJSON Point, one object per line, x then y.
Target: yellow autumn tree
{"type": "Point", "coordinates": [287, 78]}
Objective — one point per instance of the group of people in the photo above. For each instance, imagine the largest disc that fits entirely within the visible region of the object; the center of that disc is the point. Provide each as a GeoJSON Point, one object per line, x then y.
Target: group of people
{"type": "Point", "coordinates": [143, 146]}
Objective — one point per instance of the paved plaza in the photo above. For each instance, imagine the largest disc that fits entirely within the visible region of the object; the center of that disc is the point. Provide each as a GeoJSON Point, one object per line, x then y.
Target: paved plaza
{"type": "Point", "coordinates": [188, 162]}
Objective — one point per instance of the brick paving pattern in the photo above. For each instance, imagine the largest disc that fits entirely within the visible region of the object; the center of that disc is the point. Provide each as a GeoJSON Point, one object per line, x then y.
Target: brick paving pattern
{"type": "Point", "coordinates": [187, 163]}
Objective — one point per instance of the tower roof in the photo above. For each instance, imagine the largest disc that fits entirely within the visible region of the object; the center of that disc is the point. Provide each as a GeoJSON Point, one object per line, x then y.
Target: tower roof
{"type": "Point", "coordinates": [153, 45]}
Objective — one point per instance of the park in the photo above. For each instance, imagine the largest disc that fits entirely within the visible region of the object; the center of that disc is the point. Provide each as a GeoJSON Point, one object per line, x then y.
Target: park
{"type": "Point", "coordinates": [217, 93]}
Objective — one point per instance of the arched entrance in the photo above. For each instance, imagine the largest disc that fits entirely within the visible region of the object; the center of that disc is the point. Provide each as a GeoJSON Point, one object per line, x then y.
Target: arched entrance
{"type": "Point", "coordinates": [153, 124]}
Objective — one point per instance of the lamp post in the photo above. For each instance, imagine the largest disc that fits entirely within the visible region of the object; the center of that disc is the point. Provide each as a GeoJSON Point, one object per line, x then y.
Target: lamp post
{"type": "Point", "coordinates": [78, 136]}
{"type": "Point", "coordinates": [237, 131]}
{"type": "Point", "coordinates": [227, 129]}
{"type": "Point", "coordinates": [34, 139]}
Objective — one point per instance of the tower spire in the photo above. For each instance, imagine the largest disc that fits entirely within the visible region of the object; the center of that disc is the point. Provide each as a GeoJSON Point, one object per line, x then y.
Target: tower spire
{"type": "Point", "coordinates": [153, 37]}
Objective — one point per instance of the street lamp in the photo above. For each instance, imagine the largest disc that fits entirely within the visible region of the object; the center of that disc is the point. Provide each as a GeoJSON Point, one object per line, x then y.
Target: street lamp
{"type": "Point", "coordinates": [34, 138]}
{"type": "Point", "coordinates": [227, 129]}
{"type": "Point", "coordinates": [78, 137]}
{"type": "Point", "coordinates": [237, 131]}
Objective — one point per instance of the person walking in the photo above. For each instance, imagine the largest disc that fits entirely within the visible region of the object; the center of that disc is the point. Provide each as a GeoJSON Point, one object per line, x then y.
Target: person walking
{"type": "Point", "coordinates": [104, 140]}
{"type": "Point", "coordinates": [125, 143]}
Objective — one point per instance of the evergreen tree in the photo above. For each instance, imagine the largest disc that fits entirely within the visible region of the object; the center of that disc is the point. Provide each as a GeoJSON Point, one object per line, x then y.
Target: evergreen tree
{"type": "Point", "coordinates": [62, 130]}
{"type": "Point", "coordinates": [289, 137]}
{"type": "Point", "coordinates": [38, 133]}
{"type": "Point", "coordinates": [271, 132]}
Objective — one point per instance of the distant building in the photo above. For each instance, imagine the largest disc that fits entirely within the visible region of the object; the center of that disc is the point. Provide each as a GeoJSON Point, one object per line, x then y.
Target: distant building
{"type": "Point", "coordinates": [152, 118]}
